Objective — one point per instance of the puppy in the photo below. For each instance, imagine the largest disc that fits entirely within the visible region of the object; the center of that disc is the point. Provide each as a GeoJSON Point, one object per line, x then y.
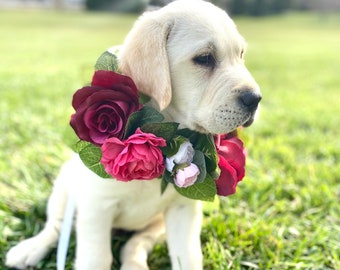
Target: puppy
{"type": "Point", "coordinates": [187, 56]}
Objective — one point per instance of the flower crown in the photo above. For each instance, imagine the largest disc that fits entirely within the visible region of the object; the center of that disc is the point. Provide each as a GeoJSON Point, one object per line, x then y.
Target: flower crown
{"type": "Point", "coordinates": [123, 138]}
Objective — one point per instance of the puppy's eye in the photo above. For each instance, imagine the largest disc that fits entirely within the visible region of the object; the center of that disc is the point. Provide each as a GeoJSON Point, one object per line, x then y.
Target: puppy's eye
{"type": "Point", "coordinates": [206, 60]}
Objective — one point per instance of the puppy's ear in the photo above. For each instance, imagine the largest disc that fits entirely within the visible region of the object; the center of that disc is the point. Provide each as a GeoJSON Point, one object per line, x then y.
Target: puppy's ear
{"type": "Point", "coordinates": [144, 58]}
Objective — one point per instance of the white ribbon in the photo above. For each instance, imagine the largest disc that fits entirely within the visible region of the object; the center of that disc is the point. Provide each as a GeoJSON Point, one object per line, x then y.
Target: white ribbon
{"type": "Point", "coordinates": [65, 232]}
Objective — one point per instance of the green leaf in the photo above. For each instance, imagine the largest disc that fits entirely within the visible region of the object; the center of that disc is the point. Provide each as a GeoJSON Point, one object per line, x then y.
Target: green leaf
{"type": "Point", "coordinates": [150, 115]}
{"type": "Point", "coordinates": [164, 185]}
{"type": "Point", "coordinates": [143, 98]}
{"type": "Point", "coordinates": [190, 134]}
{"type": "Point", "coordinates": [204, 191]}
{"type": "Point", "coordinates": [199, 160]}
{"type": "Point", "coordinates": [207, 146]}
{"type": "Point", "coordinates": [142, 117]}
{"type": "Point", "coordinates": [91, 156]}
{"type": "Point", "coordinates": [173, 146]}
{"type": "Point", "coordinates": [165, 130]}
{"type": "Point", "coordinates": [168, 177]}
{"type": "Point", "coordinates": [216, 173]}
{"type": "Point", "coordinates": [107, 61]}
{"type": "Point", "coordinates": [80, 145]}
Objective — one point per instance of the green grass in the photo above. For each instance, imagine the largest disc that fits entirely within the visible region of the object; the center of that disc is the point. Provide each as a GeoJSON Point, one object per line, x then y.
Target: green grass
{"type": "Point", "coordinates": [286, 213]}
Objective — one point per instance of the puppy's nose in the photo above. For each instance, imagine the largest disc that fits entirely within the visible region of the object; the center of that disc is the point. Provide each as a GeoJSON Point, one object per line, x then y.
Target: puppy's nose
{"type": "Point", "coordinates": [250, 100]}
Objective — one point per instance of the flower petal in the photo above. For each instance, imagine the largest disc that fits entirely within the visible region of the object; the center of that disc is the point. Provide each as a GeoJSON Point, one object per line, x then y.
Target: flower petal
{"type": "Point", "coordinates": [226, 183]}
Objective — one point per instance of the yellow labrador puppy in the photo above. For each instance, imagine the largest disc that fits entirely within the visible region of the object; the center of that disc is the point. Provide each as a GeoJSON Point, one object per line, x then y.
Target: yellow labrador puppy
{"type": "Point", "coordinates": [188, 56]}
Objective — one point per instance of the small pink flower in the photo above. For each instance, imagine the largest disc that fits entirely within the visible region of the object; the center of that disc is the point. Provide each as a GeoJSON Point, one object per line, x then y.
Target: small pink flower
{"type": "Point", "coordinates": [187, 176]}
{"type": "Point", "coordinates": [138, 157]}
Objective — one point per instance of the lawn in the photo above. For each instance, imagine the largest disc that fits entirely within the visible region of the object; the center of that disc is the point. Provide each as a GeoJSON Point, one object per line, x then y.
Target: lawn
{"type": "Point", "coordinates": [286, 213]}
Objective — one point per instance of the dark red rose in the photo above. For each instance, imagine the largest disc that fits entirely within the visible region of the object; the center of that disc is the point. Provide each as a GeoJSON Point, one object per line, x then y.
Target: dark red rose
{"type": "Point", "coordinates": [103, 108]}
{"type": "Point", "coordinates": [232, 159]}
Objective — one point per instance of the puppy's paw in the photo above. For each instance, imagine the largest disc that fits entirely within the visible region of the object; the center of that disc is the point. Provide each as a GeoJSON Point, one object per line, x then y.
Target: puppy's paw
{"type": "Point", "coordinates": [27, 253]}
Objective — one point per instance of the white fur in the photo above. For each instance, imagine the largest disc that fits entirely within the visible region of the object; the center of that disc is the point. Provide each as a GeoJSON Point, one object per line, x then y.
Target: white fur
{"type": "Point", "coordinates": [158, 54]}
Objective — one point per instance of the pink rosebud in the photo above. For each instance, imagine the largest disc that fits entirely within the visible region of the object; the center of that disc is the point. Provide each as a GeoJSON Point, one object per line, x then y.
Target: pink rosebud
{"type": "Point", "coordinates": [187, 176]}
{"type": "Point", "coordinates": [138, 157]}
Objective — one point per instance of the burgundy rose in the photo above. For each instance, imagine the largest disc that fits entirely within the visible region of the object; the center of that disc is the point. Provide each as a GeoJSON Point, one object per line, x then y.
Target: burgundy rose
{"type": "Point", "coordinates": [138, 157]}
{"type": "Point", "coordinates": [103, 108]}
{"type": "Point", "coordinates": [232, 158]}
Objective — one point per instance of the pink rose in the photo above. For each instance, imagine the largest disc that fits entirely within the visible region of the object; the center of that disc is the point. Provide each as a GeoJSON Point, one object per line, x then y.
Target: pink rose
{"type": "Point", "coordinates": [138, 157]}
{"type": "Point", "coordinates": [232, 158]}
{"type": "Point", "coordinates": [187, 176]}
{"type": "Point", "coordinates": [103, 108]}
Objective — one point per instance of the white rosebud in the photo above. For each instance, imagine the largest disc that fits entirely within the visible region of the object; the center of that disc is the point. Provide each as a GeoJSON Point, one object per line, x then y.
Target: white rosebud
{"type": "Point", "coordinates": [184, 155]}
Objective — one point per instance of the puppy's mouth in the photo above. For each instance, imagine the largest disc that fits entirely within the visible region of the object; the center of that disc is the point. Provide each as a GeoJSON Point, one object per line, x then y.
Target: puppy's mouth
{"type": "Point", "coordinates": [249, 121]}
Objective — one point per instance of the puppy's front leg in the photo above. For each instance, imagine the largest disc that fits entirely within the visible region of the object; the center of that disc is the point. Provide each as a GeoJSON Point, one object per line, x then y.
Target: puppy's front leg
{"type": "Point", "coordinates": [183, 228]}
{"type": "Point", "coordinates": [93, 227]}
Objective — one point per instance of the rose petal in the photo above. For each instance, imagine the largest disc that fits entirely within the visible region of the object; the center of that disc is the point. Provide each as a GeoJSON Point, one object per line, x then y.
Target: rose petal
{"type": "Point", "coordinates": [226, 183]}
{"type": "Point", "coordinates": [112, 147]}
{"type": "Point", "coordinates": [82, 94]}
{"type": "Point", "coordinates": [107, 79]}
{"type": "Point", "coordinates": [78, 125]}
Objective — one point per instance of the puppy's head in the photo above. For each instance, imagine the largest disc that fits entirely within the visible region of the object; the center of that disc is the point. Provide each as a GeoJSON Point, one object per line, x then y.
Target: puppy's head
{"type": "Point", "coordinates": [189, 57]}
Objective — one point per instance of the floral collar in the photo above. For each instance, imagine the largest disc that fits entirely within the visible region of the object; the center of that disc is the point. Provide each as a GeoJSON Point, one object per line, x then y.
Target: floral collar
{"type": "Point", "coordinates": [124, 139]}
